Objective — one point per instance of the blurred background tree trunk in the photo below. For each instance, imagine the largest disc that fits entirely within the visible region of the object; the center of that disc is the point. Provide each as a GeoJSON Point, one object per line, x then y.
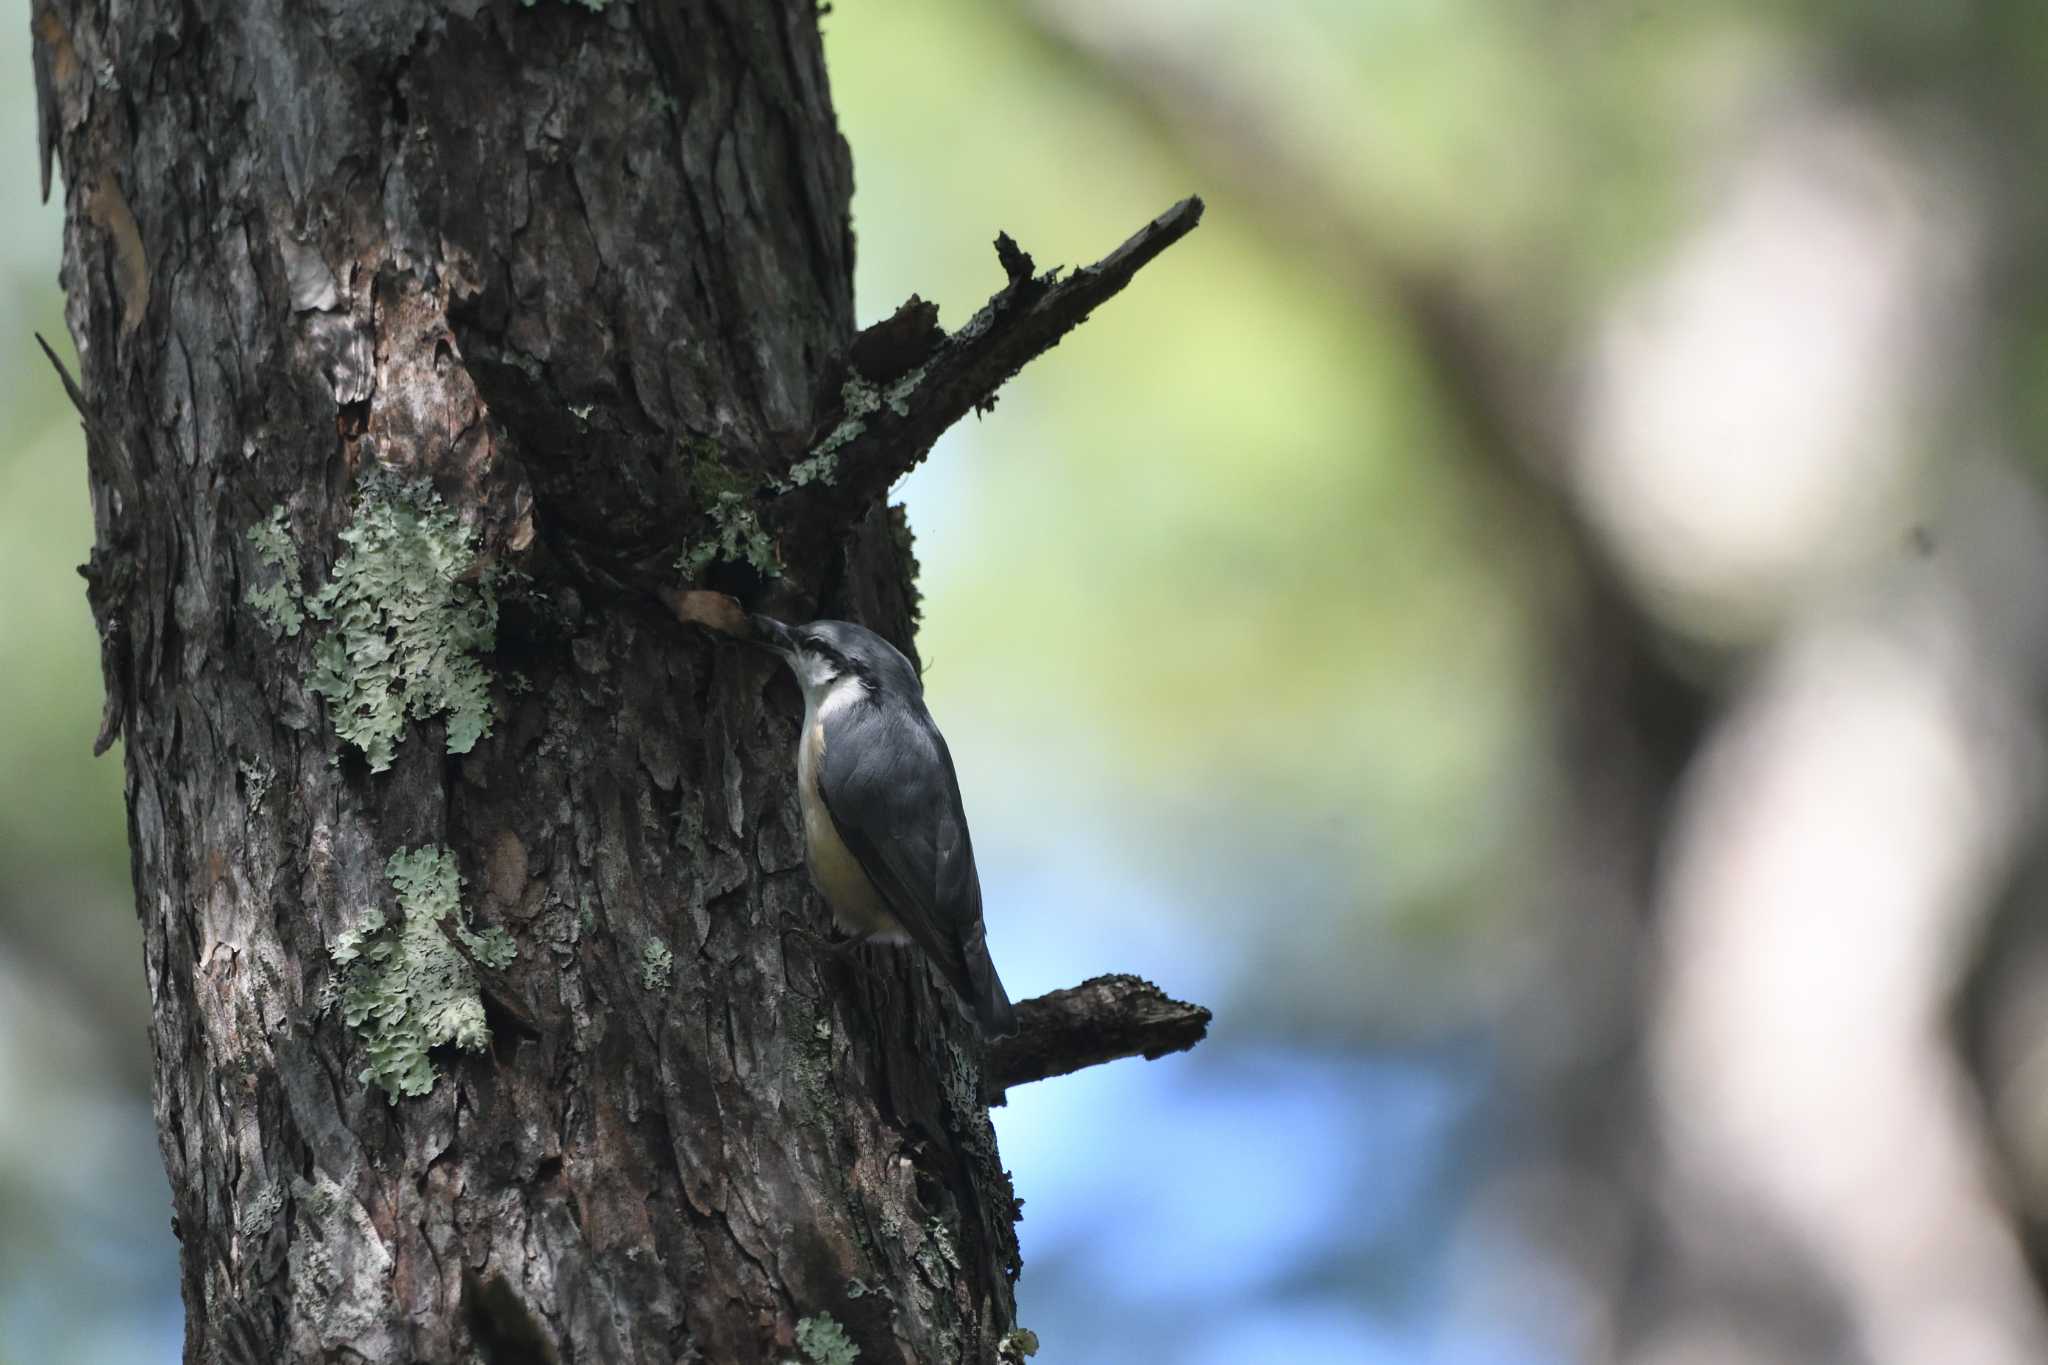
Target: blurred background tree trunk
{"type": "Point", "coordinates": [1791, 680]}
{"type": "Point", "coordinates": [579, 270]}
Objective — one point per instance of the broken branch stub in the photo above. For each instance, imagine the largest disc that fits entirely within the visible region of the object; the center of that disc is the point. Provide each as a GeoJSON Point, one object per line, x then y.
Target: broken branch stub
{"type": "Point", "coordinates": [963, 370]}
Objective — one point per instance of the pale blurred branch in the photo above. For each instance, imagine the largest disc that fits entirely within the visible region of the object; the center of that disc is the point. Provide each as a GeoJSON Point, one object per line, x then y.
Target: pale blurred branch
{"type": "Point", "coordinates": [1508, 394]}
{"type": "Point", "coordinates": [109, 572]}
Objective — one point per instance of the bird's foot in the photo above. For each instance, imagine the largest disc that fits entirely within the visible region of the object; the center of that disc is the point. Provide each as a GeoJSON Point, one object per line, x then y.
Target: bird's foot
{"type": "Point", "coordinates": [831, 947]}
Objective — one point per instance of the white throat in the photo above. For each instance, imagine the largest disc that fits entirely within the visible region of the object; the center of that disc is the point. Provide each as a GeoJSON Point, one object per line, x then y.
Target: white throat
{"type": "Point", "coordinates": [826, 697]}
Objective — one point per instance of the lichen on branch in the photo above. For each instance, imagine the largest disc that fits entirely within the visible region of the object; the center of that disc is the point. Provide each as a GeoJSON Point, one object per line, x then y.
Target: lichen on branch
{"type": "Point", "coordinates": [410, 612]}
{"type": "Point", "coordinates": [736, 538]}
{"type": "Point", "coordinates": [404, 988]}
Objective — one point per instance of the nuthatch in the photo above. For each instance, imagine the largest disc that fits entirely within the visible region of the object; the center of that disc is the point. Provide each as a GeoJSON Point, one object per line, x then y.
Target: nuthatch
{"type": "Point", "coordinates": [884, 831]}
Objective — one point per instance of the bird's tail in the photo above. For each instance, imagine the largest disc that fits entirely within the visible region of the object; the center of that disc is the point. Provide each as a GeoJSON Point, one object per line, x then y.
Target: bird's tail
{"type": "Point", "coordinates": [985, 993]}
{"type": "Point", "coordinates": [992, 1008]}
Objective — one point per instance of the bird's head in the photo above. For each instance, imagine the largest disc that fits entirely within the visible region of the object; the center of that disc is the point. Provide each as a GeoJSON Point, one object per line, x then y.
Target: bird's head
{"type": "Point", "coordinates": [825, 654]}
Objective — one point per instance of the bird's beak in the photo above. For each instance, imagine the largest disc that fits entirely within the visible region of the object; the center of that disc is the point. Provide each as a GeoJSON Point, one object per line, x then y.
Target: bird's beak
{"type": "Point", "coordinates": [770, 633]}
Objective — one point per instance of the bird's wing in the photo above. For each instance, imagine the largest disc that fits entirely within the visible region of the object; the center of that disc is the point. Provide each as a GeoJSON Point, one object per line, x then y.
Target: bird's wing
{"type": "Point", "coordinates": [888, 783]}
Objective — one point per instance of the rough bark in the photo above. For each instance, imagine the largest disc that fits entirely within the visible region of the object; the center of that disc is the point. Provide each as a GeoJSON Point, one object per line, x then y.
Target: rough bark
{"type": "Point", "coordinates": [584, 271]}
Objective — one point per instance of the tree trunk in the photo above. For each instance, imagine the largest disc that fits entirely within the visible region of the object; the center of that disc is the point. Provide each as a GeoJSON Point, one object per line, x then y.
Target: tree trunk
{"type": "Point", "coordinates": [418, 342]}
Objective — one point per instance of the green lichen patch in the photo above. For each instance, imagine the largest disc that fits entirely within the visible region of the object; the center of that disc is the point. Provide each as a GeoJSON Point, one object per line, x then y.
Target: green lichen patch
{"type": "Point", "coordinates": [935, 1255]}
{"type": "Point", "coordinates": [1017, 1344]}
{"type": "Point", "coordinates": [824, 1342]}
{"type": "Point", "coordinates": [257, 777]}
{"type": "Point", "coordinates": [259, 1212]}
{"type": "Point", "coordinates": [897, 396]}
{"type": "Point", "coordinates": [404, 988]}
{"type": "Point", "coordinates": [967, 1113]}
{"type": "Point", "coordinates": [823, 467]}
{"type": "Point", "coordinates": [725, 495]}
{"type": "Point", "coordinates": [411, 612]}
{"type": "Point", "coordinates": [858, 400]}
{"type": "Point", "coordinates": [281, 605]}
{"type": "Point", "coordinates": [736, 537]}
{"type": "Point", "coordinates": [657, 965]}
